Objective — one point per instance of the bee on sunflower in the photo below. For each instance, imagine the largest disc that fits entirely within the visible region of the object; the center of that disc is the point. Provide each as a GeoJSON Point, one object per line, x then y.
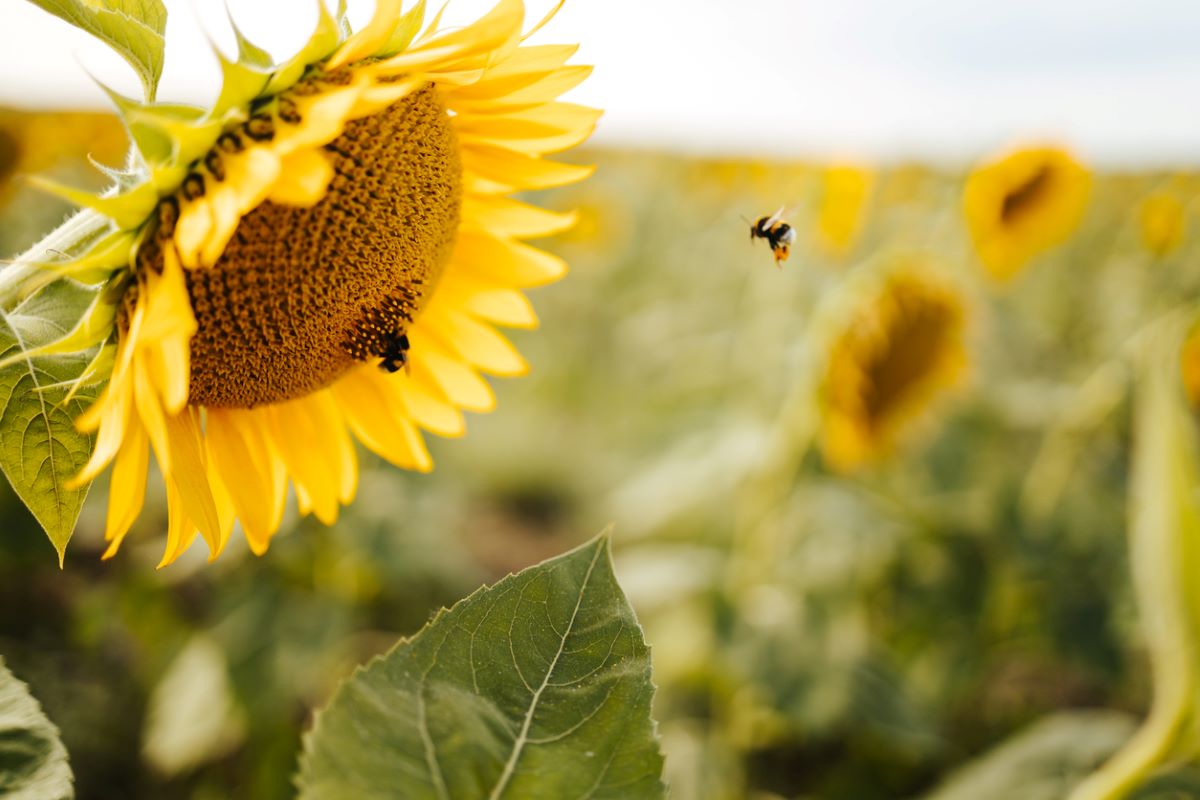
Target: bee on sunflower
{"type": "Point", "coordinates": [1023, 204]}
{"type": "Point", "coordinates": [898, 347]}
{"type": "Point", "coordinates": [321, 257]}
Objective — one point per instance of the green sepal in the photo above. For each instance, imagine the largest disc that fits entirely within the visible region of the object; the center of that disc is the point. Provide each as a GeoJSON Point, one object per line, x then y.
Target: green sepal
{"type": "Point", "coordinates": [324, 40]}
{"type": "Point", "coordinates": [248, 52]}
{"type": "Point", "coordinates": [97, 371]}
{"type": "Point", "coordinates": [127, 210]}
{"type": "Point", "coordinates": [343, 20]}
{"type": "Point", "coordinates": [240, 83]}
{"type": "Point", "coordinates": [406, 30]}
{"type": "Point", "coordinates": [122, 178]}
{"type": "Point", "coordinates": [98, 262]}
{"type": "Point", "coordinates": [187, 128]}
{"type": "Point", "coordinates": [96, 325]}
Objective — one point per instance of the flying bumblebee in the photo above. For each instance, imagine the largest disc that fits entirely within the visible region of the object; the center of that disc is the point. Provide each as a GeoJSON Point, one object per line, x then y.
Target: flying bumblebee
{"type": "Point", "coordinates": [779, 234]}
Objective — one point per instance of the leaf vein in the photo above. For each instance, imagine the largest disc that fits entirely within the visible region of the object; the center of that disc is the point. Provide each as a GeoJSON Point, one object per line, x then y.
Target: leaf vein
{"type": "Point", "coordinates": [522, 738]}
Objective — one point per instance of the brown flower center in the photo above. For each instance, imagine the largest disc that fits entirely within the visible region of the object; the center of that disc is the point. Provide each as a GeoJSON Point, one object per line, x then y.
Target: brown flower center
{"type": "Point", "coordinates": [916, 338]}
{"type": "Point", "coordinates": [1026, 196]}
{"type": "Point", "coordinates": [302, 294]}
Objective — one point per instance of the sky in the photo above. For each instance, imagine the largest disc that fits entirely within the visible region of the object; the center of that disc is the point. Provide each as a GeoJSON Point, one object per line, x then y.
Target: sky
{"type": "Point", "coordinates": [947, 80]}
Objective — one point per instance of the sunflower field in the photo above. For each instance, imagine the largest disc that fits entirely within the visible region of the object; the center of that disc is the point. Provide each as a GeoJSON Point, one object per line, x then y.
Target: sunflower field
{"type": "Point", "coordinates": [901, 503]}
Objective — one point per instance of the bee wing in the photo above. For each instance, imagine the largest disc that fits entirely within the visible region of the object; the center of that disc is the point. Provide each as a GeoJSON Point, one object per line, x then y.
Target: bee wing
{"type": "Point", "coordinates": [781, 213]}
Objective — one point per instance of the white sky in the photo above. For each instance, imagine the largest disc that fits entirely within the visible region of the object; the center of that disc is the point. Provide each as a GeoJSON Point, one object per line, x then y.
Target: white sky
{"type": "Point", "coordinates": [1118, 79]}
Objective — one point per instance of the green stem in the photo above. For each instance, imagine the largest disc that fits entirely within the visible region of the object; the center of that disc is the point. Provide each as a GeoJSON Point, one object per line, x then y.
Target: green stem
{"type": "Point", "coordinates": [26, 274]}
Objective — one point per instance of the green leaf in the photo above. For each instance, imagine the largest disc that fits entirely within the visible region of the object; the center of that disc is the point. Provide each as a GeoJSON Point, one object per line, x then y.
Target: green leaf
{"type": "Point", "coordinates": [33, 761]}
{"type": "Point", "coordinates": [538, 687]}
{"type": "Point", "coordinates": [40, 449]}
{"type": "Point", "coordinates": [193, 715]}
{"type": "Point", "coordinates": [1043, 762]}
{"type": "Point", "coordinates": [134, 28]}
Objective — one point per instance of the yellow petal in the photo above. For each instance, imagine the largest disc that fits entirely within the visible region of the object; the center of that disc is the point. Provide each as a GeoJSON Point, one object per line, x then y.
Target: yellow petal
{"type": "Point", "coordinates": [127, 487]}
{"type": "Point", "coordinates": [434, 365]}
{"type": "Point", "coordinates": [180, 530]}
{"type": "Point", "coordinates": [256, 483]}
{"type": "Point", "coordinates": [249, 176]}
{"type": "Point", "coordinates": [193, 229]}
{"type": "Point", "coordinates": [379, 420]}
{"type": "Point", "coordinates": [515, 74]}
{"type": "Point", "coordinates": [428, 408]}
{"type": "Point", "coordinates": [189, 474]}
{"type": "Point", "coordinates": [226, 213]}
{"type": "Point", "coordinates": [169, 328]}
{"type": "Point", "coordinates": [543, 90]}
{"type": "Point", "coordinates": [149, 409]}
{"type": "Point", "coordinates": [518, 170]}
{"type": "Point", "coordinates": [498, 261]}
{"type": "Point", "coordinates": [380, 96]}
{"type": "Point", "coordinates": [495, 304]}
{"type": "Point", "coordinates": [546, 129]}
{"type": "Point", "coordinates": [226, 513]}
{"type": "Point", "coordinates": [311, 438]}
{"type": "Point", "coordinates": [476, 343]}
{"type": "Point", "coordinates": [497, 29]}
{"type": "Point", "coordinates": [304, 176]}
{"type": "Point", "coordinates": [324, 116]}
{"type": "Point", "coordinates": [507, 217]}
{"type": "Point", "coordinates": [367, 41]}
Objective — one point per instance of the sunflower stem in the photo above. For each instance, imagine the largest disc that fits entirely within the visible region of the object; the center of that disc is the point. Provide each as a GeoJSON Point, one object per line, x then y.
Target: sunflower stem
{"type": "Point", "coordinates": [27, 273]}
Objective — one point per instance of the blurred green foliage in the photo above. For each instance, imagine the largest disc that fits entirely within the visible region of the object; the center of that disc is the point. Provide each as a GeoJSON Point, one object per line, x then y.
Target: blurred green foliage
{"type": "Point", "coordinates": [894, 626]}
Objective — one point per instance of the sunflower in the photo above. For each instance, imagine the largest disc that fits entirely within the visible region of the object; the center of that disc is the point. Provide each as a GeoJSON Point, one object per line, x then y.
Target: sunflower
{"type": "Point", "coordinates": [1023, 204]}
{"type": "Point", "coordinates": [1163, 224]}
{"type": "Point", "coordinates": [845, 190]}
{"type": "Point", "coordinates": [898, 348]}
{"type": "Point", "coordinates": [1189, 367]}
{"type": "Point", "coordinates": [319, 258]}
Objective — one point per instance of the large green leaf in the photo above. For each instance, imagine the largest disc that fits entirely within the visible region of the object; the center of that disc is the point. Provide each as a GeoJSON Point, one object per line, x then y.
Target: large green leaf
{"type": "Point", "coordinates": [1043, 762]}
{"type": "Point", "coordinates": [538, 687]}
{"type": "Point", "coordinates": [40, 449]}
{"type": "Point", "coordinates": [33, 761]}
{"type": "Point", "coordinates": [134, 28]}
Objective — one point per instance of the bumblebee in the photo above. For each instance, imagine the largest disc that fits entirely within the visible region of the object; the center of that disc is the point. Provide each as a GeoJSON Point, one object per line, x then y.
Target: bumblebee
{"type": "Point", "coordinates": [395, 358]}
{"type": "Point", "coordinates": [779, 234]}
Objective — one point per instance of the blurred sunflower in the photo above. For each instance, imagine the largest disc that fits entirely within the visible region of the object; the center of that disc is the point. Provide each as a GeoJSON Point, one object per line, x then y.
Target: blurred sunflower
{"type": "Point", "coordinates": [329, 221]}
{"type": "Point", "coordinates": [901, 346]}
{"type": "Point", "coordinates": [1163, 224]}
{"type": "Point", "coordinates": [1189, 366]}
{"type": "Point", "coordinates": [1023, 204]}
{"type": "Point", "coordinates": [845, 189]}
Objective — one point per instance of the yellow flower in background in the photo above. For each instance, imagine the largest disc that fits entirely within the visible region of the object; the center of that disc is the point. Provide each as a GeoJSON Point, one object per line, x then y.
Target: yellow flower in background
{"type": "Point", "coordinates": [903, 345]}
{"type": "Point", "coordinates": [845, 190]}
{"type": "Point", "coordinates": [1189, 366]}
{"type": "Point", "coordinates": [33, 142]}
{"type": "Point", "coordinates": [1022, 205]}
{"type": "Point", "coordinates": [1163, 223]}
{"type": "Point", "coordinates": [323, 256]}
